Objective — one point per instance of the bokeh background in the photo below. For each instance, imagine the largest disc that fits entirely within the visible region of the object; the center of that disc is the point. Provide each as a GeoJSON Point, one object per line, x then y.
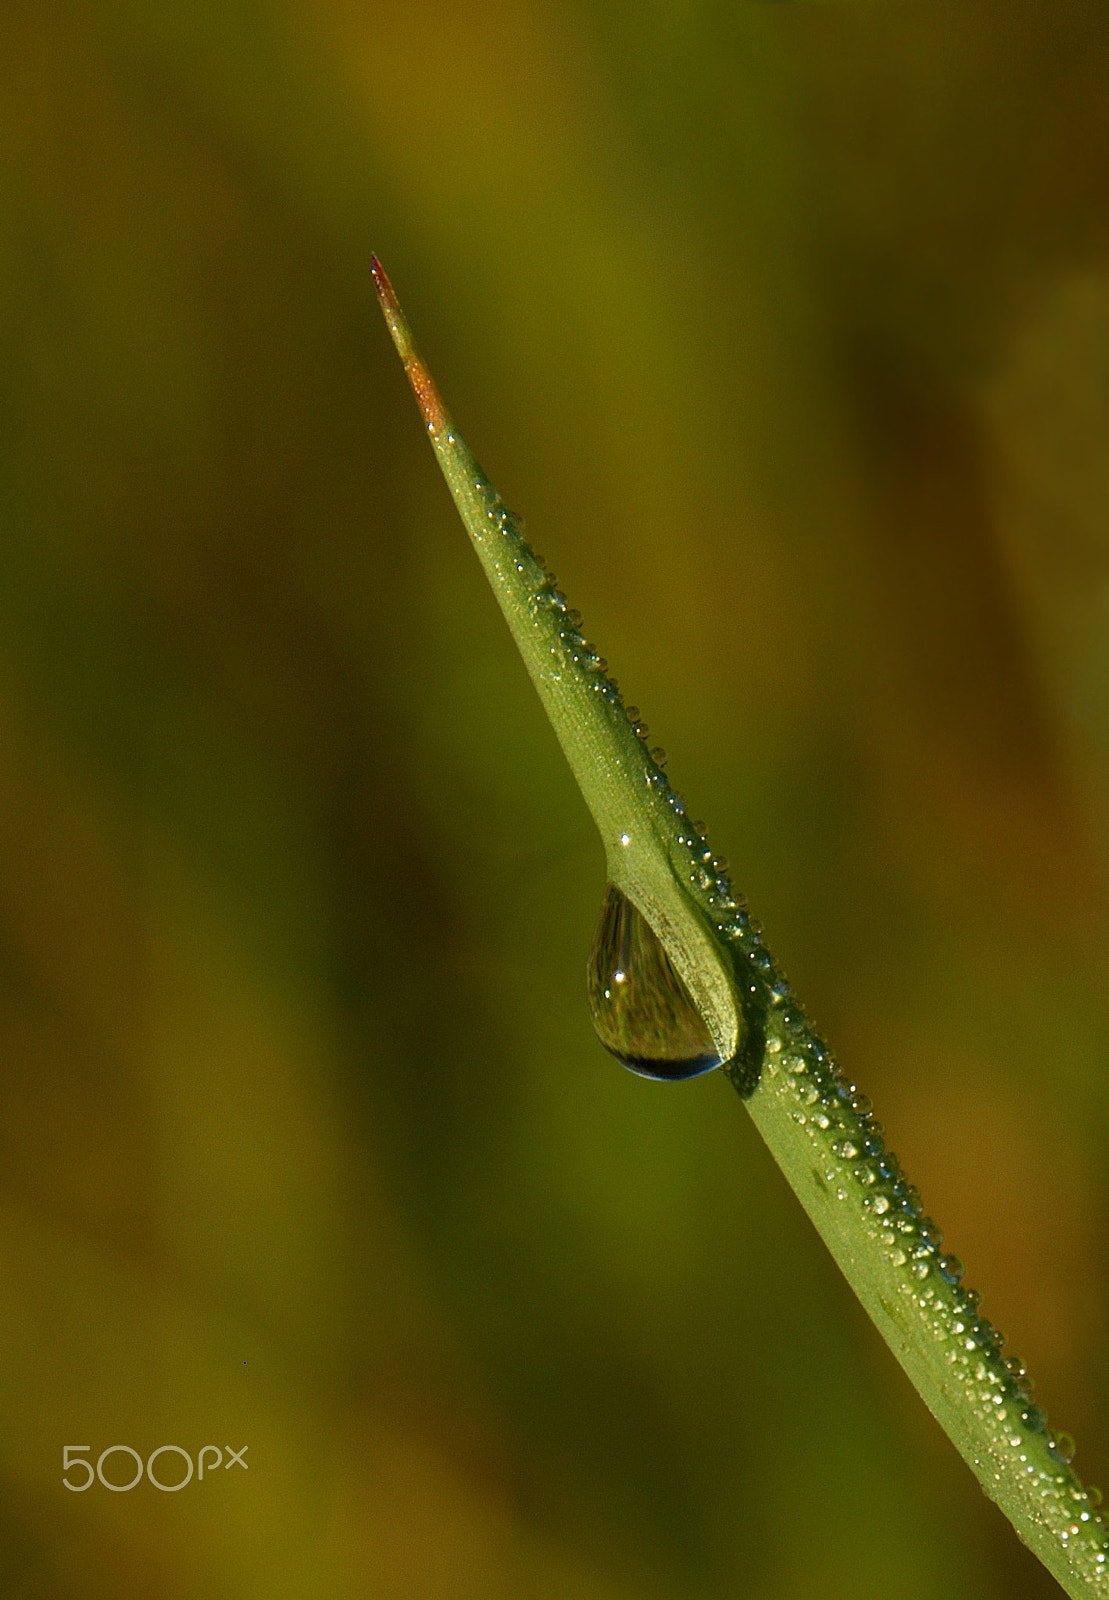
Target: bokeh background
{"type": "Point", "coordinates": [787, 329]}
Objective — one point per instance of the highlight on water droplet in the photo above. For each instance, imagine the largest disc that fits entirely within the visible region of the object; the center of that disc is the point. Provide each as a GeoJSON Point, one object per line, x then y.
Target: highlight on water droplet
{"type": "Point", "coordinates": [950, 1267]}
{"type": "Point", "coordinates": [641, 1009]}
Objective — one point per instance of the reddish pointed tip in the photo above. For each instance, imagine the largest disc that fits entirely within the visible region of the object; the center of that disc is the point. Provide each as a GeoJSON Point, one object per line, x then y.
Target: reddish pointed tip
{"type": "Point", "coordinates": [381, 283]}
{"type": "Point", "coordinates": [418, 375]}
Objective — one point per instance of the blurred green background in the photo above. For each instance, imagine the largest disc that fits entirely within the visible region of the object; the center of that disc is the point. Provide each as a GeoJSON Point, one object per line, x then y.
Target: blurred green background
{"type": "Point", "coordinates": [787, 328]}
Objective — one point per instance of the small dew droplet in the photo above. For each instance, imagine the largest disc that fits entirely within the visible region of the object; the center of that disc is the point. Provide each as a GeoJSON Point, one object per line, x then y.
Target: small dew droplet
{"type": "Point", "coordinates": [646, 1018]}
{"type": "Point", "coordinates": [950, 1267]}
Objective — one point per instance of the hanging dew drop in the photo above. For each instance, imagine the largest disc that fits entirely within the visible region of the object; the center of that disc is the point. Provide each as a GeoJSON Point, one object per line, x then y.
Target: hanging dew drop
{"type": "Point", "coordinates": [641, 1009]}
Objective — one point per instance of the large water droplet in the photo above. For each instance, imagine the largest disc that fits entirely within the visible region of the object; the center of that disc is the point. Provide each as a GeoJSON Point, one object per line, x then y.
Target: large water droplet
{"type": "Point", "coordinates": [641, 1009]}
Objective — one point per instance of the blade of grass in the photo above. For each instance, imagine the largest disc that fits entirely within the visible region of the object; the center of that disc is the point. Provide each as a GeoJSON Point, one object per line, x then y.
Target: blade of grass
{"type": "Point", "coordinates": [818, 1125]}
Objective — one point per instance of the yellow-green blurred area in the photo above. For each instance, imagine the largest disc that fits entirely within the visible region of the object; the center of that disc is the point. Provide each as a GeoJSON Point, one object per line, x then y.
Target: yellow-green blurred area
{"type": "Point", "coordinates": [787, 330]}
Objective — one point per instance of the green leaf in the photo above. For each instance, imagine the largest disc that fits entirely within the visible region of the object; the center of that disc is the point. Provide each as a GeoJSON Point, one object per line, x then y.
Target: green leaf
{"type": "Point", "coordinates": [818, 1125]}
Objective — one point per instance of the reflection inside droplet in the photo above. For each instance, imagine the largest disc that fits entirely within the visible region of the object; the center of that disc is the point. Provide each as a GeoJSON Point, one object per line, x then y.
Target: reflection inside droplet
{"type": "Point", "coordinates": [641, 1009]}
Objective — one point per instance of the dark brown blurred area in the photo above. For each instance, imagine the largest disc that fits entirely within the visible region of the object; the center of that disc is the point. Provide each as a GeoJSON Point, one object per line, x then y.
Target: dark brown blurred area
{"type": "Point", "coordinates": [787, 330]}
